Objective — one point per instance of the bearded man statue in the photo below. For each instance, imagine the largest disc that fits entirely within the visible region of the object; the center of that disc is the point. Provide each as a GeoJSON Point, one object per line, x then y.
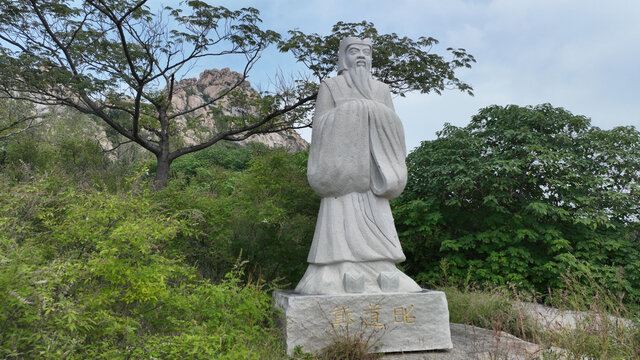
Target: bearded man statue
{"type": "Point", "coordinates": [356, 164]}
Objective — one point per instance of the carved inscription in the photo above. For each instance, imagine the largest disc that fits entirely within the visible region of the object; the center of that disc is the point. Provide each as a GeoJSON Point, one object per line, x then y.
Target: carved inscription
{"type": "Point", "coordinates": [372, 316]}
{"type": "Point", "coordinates": [401, 315]}
{"type": "Point", "coordinates": [341, 316]}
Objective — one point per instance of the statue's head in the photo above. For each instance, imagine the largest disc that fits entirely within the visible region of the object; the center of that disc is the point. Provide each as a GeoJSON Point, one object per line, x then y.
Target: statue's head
{"type": "Point", "coordinates": [354, 52]}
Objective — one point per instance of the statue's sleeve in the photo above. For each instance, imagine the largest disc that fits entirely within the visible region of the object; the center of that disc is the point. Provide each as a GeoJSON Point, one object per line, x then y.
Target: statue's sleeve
{"type": "Point", "coordinates": [387, 98]}
{"type": "Point", "coordinates": [324, 101]}
{"type": "Point", "coordinates": [339, 153]}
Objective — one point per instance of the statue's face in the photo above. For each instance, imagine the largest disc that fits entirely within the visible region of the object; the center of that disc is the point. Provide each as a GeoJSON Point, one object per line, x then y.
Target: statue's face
{"type": "Point", "coordinates": [358, 55]}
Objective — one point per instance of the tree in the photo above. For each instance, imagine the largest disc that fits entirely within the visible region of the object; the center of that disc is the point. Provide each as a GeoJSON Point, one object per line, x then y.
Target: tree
{"type": "Point", "coordinates": [402, 63]}
{"type": "Point", "coordinates": [17, 117]}
{"type": "Point", "coordinates": [256, 204]}
{"type": "Point", "coordinates": [118, 61]}
{"type": "Point", "coordinates": [521, 195]}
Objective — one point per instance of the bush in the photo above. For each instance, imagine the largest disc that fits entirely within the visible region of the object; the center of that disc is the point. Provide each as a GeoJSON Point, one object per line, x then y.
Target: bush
{"type": "Point", "coordinates": [3, 154]}
{"type": "Point", "coordinates": [31, 151]}
{"type": "Point", "coordinates": [274, 215]}
{"type": "Point", "coordinates": [80, 156]}
{"type": "Point", "coordinates": [266, 213]}
{"type": "Point", "coordinates": [521, 195]}
{"type": "Point", "coordinates": [226, 155]}
{"type": "Point", "coordinates": [88, 274]}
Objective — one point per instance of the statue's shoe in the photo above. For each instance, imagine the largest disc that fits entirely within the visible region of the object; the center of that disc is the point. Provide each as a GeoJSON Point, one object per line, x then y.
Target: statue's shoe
{"type": "Point", "coordinates": [355, 277]}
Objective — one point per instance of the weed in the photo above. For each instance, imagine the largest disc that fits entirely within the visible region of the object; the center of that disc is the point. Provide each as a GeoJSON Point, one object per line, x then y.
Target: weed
{"type": "Point", "coordinates": [594, 322]}
{"type": "Point", "coordinates": [586, 320]}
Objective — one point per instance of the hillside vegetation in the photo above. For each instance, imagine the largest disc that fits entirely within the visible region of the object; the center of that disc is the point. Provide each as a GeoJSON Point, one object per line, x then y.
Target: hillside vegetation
{"type": "Point", "coordinates": [96, 264]}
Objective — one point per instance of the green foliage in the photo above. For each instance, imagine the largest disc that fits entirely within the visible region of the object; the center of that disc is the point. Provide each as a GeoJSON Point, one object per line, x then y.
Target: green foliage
{"type": "Point", "coordinates": [226, 155]}
{"type": "Point", "coordinates": [28, 150]}
{"type": "Point", "coordinates": [274, 215]}
{"type": "Point", "coordinates": [266, 213]}
{"type": "Point", "coordinates": [81, 156]}
{"type": "Point", "coordinates": [119, 62]}
{"type": "Point", "coordinates": [521, 195]}
{"type": "Point", "coordinates": [69, 145]}
{"type": "Point", "coordinates": [405, 64]}
{"type": "Point", "coordinates": [89, 274]}
{"type": "Point", "coordinates": [97, 61]}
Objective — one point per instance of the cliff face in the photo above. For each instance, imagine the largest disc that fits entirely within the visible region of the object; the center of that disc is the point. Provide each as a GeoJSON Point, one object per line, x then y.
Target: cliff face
{"type": "Point", "coordinates": [191, 93]}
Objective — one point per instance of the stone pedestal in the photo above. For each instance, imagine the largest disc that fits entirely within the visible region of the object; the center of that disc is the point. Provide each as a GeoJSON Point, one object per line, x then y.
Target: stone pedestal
{"type": "Point", "coordinates": [392, 322]}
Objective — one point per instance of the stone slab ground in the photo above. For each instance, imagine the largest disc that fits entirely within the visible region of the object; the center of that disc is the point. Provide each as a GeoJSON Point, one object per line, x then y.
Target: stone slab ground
{"type": "Point", "coordinates": [474, 343]}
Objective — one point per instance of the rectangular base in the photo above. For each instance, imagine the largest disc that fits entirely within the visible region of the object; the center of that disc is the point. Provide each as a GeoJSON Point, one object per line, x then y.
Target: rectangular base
{"type": "Point", "coordinates": [392, 322]}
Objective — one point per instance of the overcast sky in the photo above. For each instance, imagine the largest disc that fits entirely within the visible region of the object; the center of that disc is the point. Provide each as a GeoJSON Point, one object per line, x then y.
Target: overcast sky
{"type": "Point", "coordinates": [582, 55]}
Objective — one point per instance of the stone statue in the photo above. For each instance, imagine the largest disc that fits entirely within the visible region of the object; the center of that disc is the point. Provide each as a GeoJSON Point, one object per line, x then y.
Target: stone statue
{"type": "Point", "coordinates": [356, 164]}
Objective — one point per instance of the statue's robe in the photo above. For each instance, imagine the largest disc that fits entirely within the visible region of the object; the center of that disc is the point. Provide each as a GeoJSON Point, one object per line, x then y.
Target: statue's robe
{"type": "Point", "coordinates": [356, 164]}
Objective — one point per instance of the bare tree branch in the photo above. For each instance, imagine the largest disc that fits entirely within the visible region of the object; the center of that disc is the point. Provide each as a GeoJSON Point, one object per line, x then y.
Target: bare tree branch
{"type": "Point", "coordinates": [117, 146]}
{"type": "Point", "coordinates": [31, 124]}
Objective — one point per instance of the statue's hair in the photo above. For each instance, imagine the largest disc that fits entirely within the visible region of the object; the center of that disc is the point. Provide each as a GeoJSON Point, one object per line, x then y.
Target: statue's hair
{"type": "Point", "coordinates": [342, 50]}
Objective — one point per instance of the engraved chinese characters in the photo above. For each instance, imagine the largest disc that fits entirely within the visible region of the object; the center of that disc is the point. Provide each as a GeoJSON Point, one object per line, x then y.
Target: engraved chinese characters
{"type": "Point", "coordinates": [356, 164]}
{"type": "Point", "coordinates": [371, 316]}
{"type": "Point", "coordinates": [408, 321]}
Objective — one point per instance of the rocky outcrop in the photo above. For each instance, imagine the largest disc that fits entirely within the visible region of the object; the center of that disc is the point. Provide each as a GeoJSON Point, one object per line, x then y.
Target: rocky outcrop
{"type": "Point", "coordinates": [192, 93]}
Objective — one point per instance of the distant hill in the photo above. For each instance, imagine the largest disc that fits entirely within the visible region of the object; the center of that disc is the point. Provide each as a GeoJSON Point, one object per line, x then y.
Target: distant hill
{"type": "Point", "coordinates": [193, 92]}
{"type": "Point", "coordinates": [189, 93]}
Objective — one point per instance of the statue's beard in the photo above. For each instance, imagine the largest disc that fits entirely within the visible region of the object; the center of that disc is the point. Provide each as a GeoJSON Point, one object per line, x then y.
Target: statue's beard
{"type": "Point", "coordinates": [361, 78]}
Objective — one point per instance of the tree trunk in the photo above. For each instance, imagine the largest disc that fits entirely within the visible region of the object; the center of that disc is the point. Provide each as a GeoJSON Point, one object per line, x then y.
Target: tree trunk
{"type": "Point", "coordinates": [162, 157]}
{"type": "Point", "coordinates": [164, 163]}
{"type": "Point", "coordinates": [162, 172]}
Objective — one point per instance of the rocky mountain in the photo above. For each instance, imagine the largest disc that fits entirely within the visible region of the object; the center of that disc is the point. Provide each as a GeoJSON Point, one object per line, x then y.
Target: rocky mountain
{"type": "Point", "coordinates": [189, 93]}
{"type": "Point", "coordinates": [193, 92]}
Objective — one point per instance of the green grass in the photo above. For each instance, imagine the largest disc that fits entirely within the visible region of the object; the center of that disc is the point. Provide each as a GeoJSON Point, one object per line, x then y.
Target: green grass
{"type": "Point", "coordinates": [599, 335]}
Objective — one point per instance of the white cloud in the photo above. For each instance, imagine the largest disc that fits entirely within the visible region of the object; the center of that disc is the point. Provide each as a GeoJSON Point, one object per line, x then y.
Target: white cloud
{"type": "Point", "coordinates": [582, 55]}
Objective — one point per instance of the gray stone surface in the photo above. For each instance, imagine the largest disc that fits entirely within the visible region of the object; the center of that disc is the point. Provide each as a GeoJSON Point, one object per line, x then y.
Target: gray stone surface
{"type": "Point", "coordinates": [356, 165]}
{"type": "Point", "coordinates": [392, 322]}
{"type": "Point", "coordinates": [554, 319]}
{"type": "Point", "coordinates": [474, 343]}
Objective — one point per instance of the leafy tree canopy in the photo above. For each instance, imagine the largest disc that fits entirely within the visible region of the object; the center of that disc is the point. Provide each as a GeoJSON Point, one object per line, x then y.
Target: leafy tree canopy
{"type": "Point", "coordinates": [521, 195]}
{"type": "Point", "coordinates": [120, 61]}
{"type": "Point", "coordinates": [403, 63]}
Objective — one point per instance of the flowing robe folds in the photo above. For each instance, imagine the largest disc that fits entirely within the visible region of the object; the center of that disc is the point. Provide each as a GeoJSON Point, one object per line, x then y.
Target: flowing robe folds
{"type": "Point", "coordinates": [356, 164]}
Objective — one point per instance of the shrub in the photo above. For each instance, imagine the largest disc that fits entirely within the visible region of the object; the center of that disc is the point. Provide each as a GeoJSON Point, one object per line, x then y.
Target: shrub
{"type": "Point", "coordinates": [31, 151]}
{"type": "Point", "coordinates": [88, 274]}
{"type": "Point", "coordinates": [519, 196]}
{"type": "Point", "coordinates": [226, 155]}
{"type": "Point", "coordinates": [266, 213]}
